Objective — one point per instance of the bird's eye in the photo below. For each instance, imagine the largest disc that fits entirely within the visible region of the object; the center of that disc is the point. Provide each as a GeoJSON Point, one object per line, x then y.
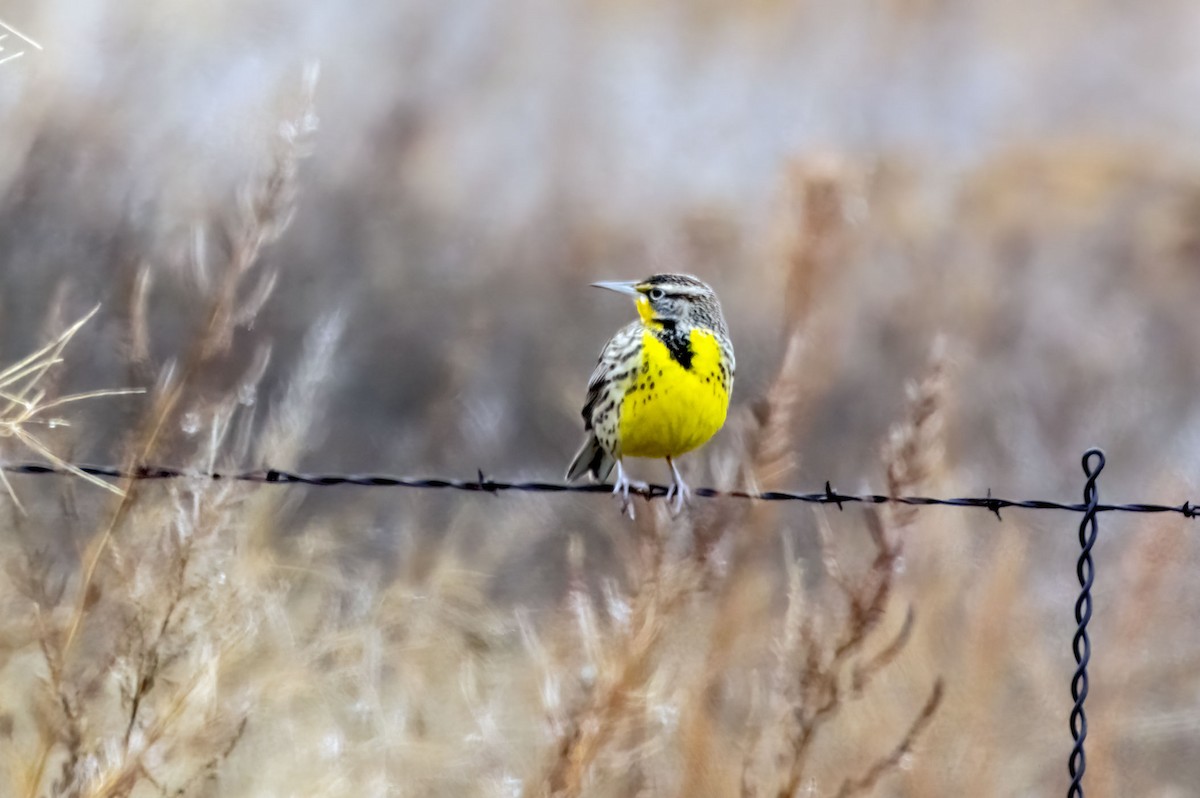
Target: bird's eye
{"type": "Point", "coordinates": [655, 294]}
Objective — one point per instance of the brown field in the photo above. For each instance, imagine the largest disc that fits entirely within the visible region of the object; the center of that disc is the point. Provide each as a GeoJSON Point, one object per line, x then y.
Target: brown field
{"type": "Point", "coordinates": [957, 244]}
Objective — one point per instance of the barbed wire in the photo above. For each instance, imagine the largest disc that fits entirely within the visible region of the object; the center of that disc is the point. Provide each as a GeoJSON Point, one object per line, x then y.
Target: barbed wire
{"type": "Point", "coordinates": [485, 484]}
{"type": "Point", "coordinates": [1091, 507]}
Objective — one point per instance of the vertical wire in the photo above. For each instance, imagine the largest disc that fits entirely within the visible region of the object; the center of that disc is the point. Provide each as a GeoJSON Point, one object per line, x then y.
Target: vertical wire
{"type": "Point", "coordinates": [1081, 645]}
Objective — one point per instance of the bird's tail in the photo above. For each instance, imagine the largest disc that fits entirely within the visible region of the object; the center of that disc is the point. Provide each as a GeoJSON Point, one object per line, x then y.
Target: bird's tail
{"type": "Point", "coordinates": [592, 458]}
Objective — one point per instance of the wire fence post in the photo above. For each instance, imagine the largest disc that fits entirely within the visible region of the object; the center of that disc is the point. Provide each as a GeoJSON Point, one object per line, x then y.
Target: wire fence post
{"type": "Point", "coordinates": [1093, 464]}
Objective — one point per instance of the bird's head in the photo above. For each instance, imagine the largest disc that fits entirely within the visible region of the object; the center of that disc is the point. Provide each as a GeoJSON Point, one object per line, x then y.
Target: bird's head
{"type": "Point", "coordinates": [673, 301]}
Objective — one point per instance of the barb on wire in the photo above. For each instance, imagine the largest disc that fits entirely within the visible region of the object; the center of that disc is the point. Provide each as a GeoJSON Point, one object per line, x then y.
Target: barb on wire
{"type": "Point", "coordinates": [483, 484]}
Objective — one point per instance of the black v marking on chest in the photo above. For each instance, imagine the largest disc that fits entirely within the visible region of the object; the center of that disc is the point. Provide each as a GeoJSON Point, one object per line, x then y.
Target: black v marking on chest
{"type": "Point", "coordinates": [679, 344]}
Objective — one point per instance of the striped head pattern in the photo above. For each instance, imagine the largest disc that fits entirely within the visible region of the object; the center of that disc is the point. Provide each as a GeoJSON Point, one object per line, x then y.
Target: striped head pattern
{"type": "Point", "coordinates": [676, 302]}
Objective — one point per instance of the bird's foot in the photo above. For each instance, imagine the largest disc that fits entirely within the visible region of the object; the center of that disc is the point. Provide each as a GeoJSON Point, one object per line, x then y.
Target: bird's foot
{"type": "Point", "coordinates": [622, 488]}
{"type": "Point", "coordinates": [679, 493]}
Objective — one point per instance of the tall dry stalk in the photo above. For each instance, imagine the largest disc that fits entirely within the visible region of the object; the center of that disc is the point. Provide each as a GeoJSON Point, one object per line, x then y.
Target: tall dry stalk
{"type": "Point", "coordinates": [826, 663]}
{"type": "Point", "coordinates": [623, 657]}
{"type": "Point", "coordinates": [815, 250]}
{"type": "Point", "coordinates": [144, 635]}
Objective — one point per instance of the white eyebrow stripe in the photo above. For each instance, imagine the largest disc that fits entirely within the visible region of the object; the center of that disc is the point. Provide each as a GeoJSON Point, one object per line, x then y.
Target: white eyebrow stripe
{"type": "Point", "coordinates": [679, 288]}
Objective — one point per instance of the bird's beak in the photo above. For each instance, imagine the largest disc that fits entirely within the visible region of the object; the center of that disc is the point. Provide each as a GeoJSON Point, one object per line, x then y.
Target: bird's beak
{"type": "Point", "coordinates": [621, 287]}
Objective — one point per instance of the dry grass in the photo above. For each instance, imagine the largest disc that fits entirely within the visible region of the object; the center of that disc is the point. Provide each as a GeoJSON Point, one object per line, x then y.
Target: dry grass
{"type": "Point", "coordinates": [403, 291]}
{"type": "Point", "coordinates": [26, 404]}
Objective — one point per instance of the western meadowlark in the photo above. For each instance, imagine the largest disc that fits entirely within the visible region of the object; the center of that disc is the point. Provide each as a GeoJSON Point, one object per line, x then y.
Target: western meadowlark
{"type": "Point", "coordinates": [662, 385]}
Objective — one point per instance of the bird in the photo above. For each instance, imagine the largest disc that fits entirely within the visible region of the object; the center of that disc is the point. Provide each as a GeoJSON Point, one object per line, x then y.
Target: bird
{"type": "Point", "coordinates": [662, 385]}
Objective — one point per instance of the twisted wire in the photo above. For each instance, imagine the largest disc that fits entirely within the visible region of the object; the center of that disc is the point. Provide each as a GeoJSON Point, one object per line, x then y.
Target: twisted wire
{"type": "Point", "coordinates": [1081, 645]}
{"type": "Point", "coordinates": [483, 484]}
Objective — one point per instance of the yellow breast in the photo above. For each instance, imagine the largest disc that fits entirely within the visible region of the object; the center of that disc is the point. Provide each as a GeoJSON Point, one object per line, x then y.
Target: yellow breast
{"type": "Point", "coordinates": [668, 410]}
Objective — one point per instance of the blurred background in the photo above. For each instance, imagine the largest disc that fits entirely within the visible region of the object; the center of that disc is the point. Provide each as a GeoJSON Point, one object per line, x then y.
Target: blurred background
{"type": "Point", "coordinates": [1015, 185]}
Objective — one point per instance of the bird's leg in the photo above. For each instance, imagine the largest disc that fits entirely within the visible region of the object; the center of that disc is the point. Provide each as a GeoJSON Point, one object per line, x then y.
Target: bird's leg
{"type": "Point", "coordinates": [622, 487]}
{"type": "Point", "coordinates": [679, 493]}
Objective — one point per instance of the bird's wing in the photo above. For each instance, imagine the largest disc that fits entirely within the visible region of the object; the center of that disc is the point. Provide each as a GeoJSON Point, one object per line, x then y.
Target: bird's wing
{"type": "Point", "coordinates": [616, 352]}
